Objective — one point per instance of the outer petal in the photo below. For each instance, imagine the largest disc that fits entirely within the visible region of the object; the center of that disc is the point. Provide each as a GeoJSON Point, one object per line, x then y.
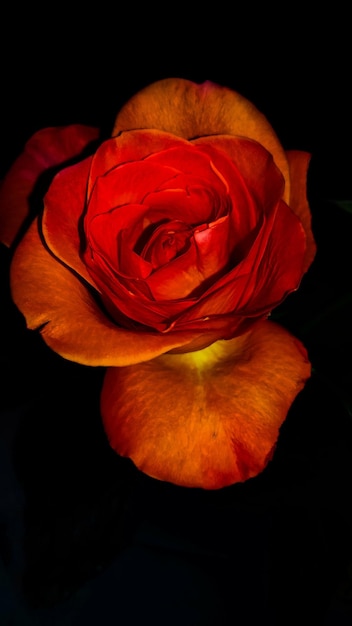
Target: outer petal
{"type": "Point", "coordinates": [206, 419]}
{"type": "Point", "coordinates": [55, 301]}
{"type": "Point", "coordinates": [46, 148]}
{"type": "Point", "coordinates": [63, 208]}
{"type": "Point", "coordinates": [191, 110]}
{"type": "Point", "coordinates": [298, 164]}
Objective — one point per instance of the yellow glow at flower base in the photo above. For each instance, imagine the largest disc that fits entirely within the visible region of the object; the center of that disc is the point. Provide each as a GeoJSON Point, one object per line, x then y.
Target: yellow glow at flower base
{"type": "Point", "coordinates": [206, 419]}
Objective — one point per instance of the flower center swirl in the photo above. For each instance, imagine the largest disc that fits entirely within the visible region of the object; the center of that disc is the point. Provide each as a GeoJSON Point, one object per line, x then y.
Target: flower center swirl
{"type": "Point", "coordinates": [166, 243]}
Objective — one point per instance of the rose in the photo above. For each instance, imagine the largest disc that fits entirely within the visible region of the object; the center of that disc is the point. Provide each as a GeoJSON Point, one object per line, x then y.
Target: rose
{"type": "Point", "coordinates": [160, 256]}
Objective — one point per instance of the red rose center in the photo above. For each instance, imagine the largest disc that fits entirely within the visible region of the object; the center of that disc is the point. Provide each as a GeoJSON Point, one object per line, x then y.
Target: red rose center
{"type": "Point", "coordinates": [168, 241]}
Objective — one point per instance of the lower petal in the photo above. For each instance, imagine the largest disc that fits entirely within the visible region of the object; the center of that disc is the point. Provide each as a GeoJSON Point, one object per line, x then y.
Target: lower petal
{"type": "Point", "coordinates": [209, 418]}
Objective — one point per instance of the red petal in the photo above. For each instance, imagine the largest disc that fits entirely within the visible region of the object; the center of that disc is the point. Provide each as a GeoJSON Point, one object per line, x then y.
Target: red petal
{"type": "Point", "coordinates": [207, 257]}
{"type": "Point", "coordinates": [63, 208]}
{"type": "Point", "coordinates": [272, 269]}
{"type": "Point", "coordinates": [47, 148]}
{"type": "Point", "coordinates": [129, 147]}
{"type": "Point", "coordinates": [253, 161]}
{"type": "Point", "coordinates": [206, 419]}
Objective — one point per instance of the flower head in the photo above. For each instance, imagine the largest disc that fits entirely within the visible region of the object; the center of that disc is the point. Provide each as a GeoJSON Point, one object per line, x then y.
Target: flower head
{"type": "Point", "coordinates": [160, 255]}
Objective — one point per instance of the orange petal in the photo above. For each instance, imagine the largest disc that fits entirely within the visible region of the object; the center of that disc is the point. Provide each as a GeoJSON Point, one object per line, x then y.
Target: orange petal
{"type": "Point", "coordinates": [46, 148]}
{"type": "Point", "coordinates": [298, 164]}
{"type": "Point", "coordinates": [189, 110]}
{"type": "Point", "coordinates": [54, 300]}
{"type": "Point", "coordinates": [209, 418]}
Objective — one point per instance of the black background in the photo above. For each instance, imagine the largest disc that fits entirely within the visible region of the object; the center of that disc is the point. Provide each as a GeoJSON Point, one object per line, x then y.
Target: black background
{"type": "Point", "coordinates": [85, 537]}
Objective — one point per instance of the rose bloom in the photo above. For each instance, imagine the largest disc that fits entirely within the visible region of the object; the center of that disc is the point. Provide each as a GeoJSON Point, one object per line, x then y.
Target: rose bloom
{"type": "Point", "coordinates": [160, 256]}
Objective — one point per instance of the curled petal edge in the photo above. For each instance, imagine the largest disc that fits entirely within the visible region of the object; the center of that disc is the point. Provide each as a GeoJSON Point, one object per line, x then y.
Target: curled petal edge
{"type": "Point", "coordinates": [54, 300]}
{"type": "Point", "coordinates": [188, 109]}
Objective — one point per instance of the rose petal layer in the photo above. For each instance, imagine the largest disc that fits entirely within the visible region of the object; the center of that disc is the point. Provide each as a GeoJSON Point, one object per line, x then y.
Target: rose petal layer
{"type": "Point", "coordinates": [298, 163]}
{"type": "Point", "coordinates": [53, 299]}
{"type": "Point", "coordinates": [190, 110]}
{"type": "Point", "coordinates": [45, 149]}
{"type": "Point", "coordinates": [209, 418]}
{"type": "Point", "coordinates": [61, 221]}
